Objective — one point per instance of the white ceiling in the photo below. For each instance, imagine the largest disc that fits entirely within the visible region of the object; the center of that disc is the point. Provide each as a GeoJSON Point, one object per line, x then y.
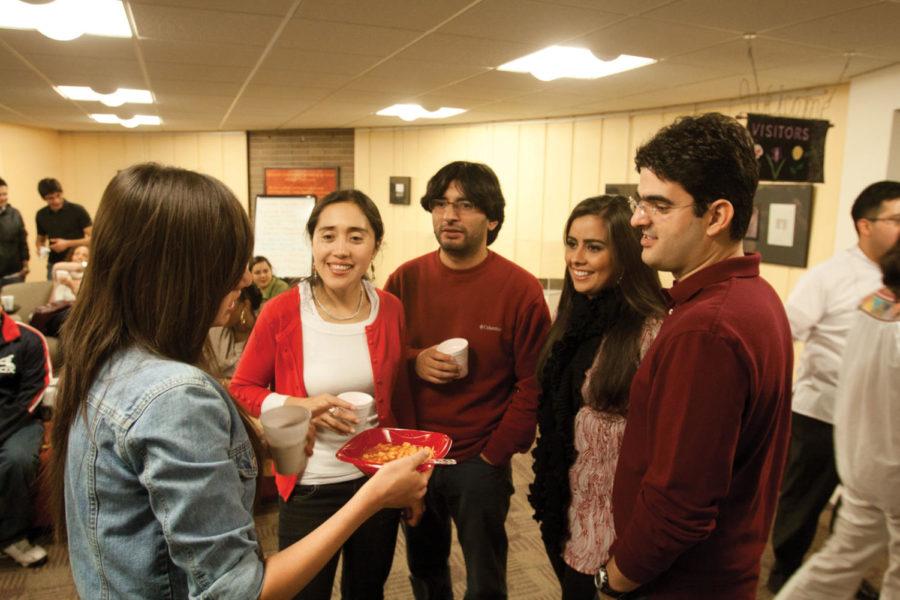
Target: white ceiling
{"type": "Point", "coordinates": [270, 64]}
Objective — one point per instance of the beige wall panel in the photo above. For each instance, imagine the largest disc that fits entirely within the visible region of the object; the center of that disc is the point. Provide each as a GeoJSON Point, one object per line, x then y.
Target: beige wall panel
{"type": "Point", "coordinates": [28, 154]}
{"type": "Point", "coordinates": [186, 151]}
{"type": "Point", "coordinates": [161, 148]}
{"type": "Point", "coordinates": [530, 197]}
{"type": "Point", "coordinates": [586, 146]}
{"type": "Point", "coordinates": [615, 162]}
{"type": "Point", "coordinates": [505, 163]}
{"type": "Point", "coordinates": [209, 155]}
{"type": "Point", "coordinates": [558, 158]}
{"type": "Point", "coordinates": [234, 163]}
{"type": "Point", "coordinates": [479, 143]}
{"type": "Point", "coordinates": [643, 127]}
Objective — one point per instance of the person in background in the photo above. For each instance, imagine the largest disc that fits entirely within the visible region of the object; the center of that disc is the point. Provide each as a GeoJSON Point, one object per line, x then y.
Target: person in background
{"type": "Point", "coordinates": [61, 223]}
{"type": "Point", "coordinates": [463, 290]}
{"type": "Point", "coordinates": [13, 241]}
{"type": "Point", "coordinates": [867, 448]}
{"type": "Point", "coordinates": [709, 408]}
{"type": "Point", "coordinates": [821, 308]}
{"type": "Point", "coordinates": [609, 312]}
{"type": "Point", "coordinates": [263, 278]}
{"type": "Point", "coordinates": [333, 333]}
{"type": "Point", "coordinates": [24, 375]}
{"type": "Point", "coordinates": [67, 275]}
{"type": "Point", "coordinates": [154, 468]}
{"type": "Point", "coordinates": [228, 341]}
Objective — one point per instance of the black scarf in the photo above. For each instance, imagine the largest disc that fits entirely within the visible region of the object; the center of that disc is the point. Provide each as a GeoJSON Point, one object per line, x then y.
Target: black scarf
{"type": "Point", "coordinates": [561, 381]}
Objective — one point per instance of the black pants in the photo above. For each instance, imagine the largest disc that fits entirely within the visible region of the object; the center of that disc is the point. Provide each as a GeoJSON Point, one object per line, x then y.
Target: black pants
{"type": "Point", "coordinates": [809, 481]}
{"type": "Point", "coordinates": [476, 496]}
{"type": "Point", "coordinates": [19, 461]}
{"type": "Point", "coordinates": [368, 554]}
{"type": "Point", "coordinates": [577, 586]}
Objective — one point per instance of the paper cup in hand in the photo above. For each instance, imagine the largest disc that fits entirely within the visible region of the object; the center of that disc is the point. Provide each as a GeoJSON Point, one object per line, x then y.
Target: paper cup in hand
{"type": "Point", "coordinates": [285, 429]}
{"type": "Point", "coordinates": [458, 348]}
{"type": "Point", "coordinates": [9, 302]}
{"type": "Point", "coordinates": [362, 405]}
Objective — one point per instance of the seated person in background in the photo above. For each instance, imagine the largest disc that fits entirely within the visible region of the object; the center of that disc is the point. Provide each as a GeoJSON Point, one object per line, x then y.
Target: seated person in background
{"type": "Point", "coordinates": [67, 275]}
{"type": "Point", "coordinates": [265, 280]}
{"type": "Point", "coordinates": [227, 342]}
{"type": "Point", "coordinates": [24, 375]}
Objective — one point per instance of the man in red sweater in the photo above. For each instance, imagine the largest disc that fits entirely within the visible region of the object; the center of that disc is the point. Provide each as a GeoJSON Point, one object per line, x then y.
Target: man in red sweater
{"type": "Point", "coordinates": [463, 290]}
{"type": "Point", "coordinates": [709, 416]}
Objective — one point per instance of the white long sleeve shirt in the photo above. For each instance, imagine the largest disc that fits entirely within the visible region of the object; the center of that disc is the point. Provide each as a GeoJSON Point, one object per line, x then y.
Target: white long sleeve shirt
{"type": "Point", "coordinates": [821, 309]}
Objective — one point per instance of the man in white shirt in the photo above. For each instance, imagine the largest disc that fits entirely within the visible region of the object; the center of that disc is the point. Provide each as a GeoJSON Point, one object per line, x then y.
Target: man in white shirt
{"type": "Point", "coordinates": [820, 310]}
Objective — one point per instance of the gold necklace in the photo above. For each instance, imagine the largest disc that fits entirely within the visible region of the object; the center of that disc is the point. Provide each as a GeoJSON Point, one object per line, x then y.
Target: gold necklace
{"type": "Point", "coordinates": [331, 316]}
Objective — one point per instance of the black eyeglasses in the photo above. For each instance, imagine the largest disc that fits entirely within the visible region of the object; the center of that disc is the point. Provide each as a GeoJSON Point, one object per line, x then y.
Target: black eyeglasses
{"type": "Point", "coordinates": [462, 207]}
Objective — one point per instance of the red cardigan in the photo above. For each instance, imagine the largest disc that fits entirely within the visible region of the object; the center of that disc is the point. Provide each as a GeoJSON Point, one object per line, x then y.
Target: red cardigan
{"type": "Point", "coordinates": [273, 361]}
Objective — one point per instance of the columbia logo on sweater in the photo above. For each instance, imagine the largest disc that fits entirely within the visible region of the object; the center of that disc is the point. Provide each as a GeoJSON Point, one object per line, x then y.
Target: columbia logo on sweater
{"type": "Point", "coordinates": [7, 366]}
{"type": "Point", "coordinates": [484, 327]}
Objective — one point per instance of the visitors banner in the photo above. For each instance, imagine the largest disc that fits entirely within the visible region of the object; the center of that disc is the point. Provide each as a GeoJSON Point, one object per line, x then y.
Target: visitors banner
{"type": "Point", "coordinates": [789, 149]}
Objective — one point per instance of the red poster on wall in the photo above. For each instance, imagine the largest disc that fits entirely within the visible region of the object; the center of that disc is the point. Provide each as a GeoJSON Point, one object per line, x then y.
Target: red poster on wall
{"type": "Point", "coordinates": [301, 181]}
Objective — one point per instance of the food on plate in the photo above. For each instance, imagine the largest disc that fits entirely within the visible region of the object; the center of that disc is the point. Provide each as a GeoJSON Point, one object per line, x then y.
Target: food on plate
{"type": "Point", "coordinates": [386, 452]}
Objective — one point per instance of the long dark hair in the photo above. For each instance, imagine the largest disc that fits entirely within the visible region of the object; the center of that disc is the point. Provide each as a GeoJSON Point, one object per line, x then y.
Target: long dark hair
{"type": "Point", "coordinates": [641, 291]}
{"type": "Point", "coordinates": [157, 276]}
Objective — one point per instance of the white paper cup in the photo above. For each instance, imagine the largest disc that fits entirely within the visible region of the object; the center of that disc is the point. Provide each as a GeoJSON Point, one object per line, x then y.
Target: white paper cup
{"type": "Point", "coordinates": [9, 302]}
{"type": "Point", "coordinates": [362, 406]}
{"type": "Point", "coordinates": [285, 430]}
{"type": "Point", "coordinates": [44, 251]}
{"type": "Point", "coordinates": [458, 348]}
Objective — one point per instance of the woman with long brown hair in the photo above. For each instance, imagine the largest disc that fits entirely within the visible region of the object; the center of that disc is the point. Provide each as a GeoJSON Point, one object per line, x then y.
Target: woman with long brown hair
{"type": "Point", "coordinates": [609, 312]}
{"type": "Point", "coordinates": [154, 468]}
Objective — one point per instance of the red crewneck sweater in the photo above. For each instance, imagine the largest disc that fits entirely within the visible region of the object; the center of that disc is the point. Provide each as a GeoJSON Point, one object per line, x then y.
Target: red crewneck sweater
{"type": "Point", "coordinates": [500, 309]}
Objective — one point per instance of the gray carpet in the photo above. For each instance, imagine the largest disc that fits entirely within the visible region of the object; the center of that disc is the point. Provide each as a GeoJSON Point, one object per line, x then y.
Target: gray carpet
{"type": "Point", "coordinates": [530, 576]}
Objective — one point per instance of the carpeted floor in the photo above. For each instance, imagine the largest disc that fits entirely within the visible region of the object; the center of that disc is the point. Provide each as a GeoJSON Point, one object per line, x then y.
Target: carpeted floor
{"type": "Point", "coordinates": [530, 576]}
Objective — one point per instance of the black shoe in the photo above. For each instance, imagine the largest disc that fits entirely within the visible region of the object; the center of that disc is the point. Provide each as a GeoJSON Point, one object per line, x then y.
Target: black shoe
{"type": "Point", "coordinates": [866, 591]}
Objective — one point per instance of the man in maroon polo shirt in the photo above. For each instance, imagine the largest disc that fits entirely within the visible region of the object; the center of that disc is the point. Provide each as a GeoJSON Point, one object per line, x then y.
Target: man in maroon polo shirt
{"type": "Point", "coordinates": [708, 423]}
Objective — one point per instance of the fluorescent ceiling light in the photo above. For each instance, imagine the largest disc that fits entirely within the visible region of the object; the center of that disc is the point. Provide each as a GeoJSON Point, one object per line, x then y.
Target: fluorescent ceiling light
{"type": "Point", "coordinates": [116, 98]}
{"type": "Point", "coordinates": [129, 123]}
{"type": "Point", "coordinates": [563, 61]}
{"type": "Point", "coordinates": [66, 20]}
{"type": "Point", "coordinates": [411, 112]}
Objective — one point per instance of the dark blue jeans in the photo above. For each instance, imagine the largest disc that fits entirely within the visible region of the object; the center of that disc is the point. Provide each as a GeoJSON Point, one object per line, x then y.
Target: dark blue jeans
{"type": "Point", "coordinates": [368, 554]}
{"type": "Point", "coordinates": [476, 496]}
{"type": "Point", "coordinates": [19, 462]}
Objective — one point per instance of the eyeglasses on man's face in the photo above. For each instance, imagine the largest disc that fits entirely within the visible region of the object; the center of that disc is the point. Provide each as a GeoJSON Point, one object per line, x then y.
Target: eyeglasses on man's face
{"type": "Point", "coordinates": [652, 208]}
{"type": "Point", "coordinates": [893, 219]}
{"type": "Point", "coordinates": [462, 207]}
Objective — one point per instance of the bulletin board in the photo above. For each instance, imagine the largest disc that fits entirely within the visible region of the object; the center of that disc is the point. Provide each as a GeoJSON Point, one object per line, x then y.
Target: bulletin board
{"type": "Point", "coordinates": [279, 226]}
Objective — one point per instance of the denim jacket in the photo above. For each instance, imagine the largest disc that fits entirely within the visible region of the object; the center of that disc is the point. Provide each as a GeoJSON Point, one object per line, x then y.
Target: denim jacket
{"type": "Point", "coordinates": [160, 479]}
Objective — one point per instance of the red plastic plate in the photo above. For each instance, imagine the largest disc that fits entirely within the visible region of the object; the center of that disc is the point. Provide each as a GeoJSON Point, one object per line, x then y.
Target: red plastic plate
{"type": "Point", "coordinates": [353, 450]}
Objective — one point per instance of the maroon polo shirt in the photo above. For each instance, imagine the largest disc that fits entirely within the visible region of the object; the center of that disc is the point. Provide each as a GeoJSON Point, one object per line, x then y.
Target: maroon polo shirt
{"type": "Point", "coordinates": [707, 437]}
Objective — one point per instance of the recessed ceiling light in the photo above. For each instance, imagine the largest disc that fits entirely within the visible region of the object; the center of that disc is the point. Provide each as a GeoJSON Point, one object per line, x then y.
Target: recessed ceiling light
{"type": "Point", "coordinates": [411, 112]}
{"type": "Point", "coordinates": [579, 63]}
{"type": "Point", "coordinates": [116, 98]}
{"type": "Point", "coordinates": [66, 20]}
{"type": "Point", "coordinates": [129, 123]}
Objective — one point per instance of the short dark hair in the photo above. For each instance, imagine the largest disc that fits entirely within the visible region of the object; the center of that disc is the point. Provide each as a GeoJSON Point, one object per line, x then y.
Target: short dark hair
{"type": "Point", "coordinates": [253, 295]}
{"type": "Point", "coordinates": [869, 200]}
{"type": "Point", "coordinates": [2, 182]}
{"type": "Point", "coordinates": [48, 185]}
{"type": "Point", "coordinates": [890, 269]}
{"type": "Point", "coordinates": [259, 259]}
{"type": "Point", "coordinates": [477, 182]}
{"type": "Point", "coordinates": [365, 204]}
{"type": "Point", "coordinates": [711, 157]}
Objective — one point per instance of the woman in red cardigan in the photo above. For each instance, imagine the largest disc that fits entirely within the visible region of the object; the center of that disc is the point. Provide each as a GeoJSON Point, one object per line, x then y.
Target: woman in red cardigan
{"type": "Point", "coordinates": [333, 333]}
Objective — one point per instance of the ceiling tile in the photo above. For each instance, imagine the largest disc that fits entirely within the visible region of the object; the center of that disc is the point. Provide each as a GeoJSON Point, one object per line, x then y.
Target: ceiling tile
{"type": "Point", "coordinates": [767, 53]}
{"type": "Point", "coordinates": [622, 7]}
{"type": "Point", "coordinates": [195, 53]}
{"type": "Point", "coordinates": [268, 76]}
{"type": "Point", "coordinates": [651, 38]}
{"type": "Point", "coordinates": [92, 46]}
{"type": "Point", "coordinates": [419, 15]}
{"type": "Point", "coordinates": [200, 103]}
{"type": "Point", "coordinates": [528, 22]}
{"type": "Point", "coordinates": [320, 36]}
{"type": "Point", "coordinates": [194, 87]}
{"type": "Point", "coordinates": [337, 63]}
{"type": "Point", "coordinates": [188, 72]}
{"type": "Point", "coordinates": [99, 73]}
{"type": "Point", "coordinates": [751, 17]}
{"type": "Point", "coordinates": [826, 71]}
{"type": "Point", "coordinates": [192, 25]}
{"type": "Point", "coordinates": [464, 50]}
{"type": "Point", "coordinates": [852, 30]}
{"type": "Point", "coordinates": [411, 77]}
{"type": "Point", "coordinates": [256, 7]}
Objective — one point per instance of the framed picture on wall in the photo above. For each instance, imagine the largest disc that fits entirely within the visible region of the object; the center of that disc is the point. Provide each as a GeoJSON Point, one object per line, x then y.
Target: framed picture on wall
{"type": "Point", "coordinates": [399, 190]}
{"type": "Point", "coordinates": [301, 181]}
{"type": "Point", "coordinates": [780, 224]}
{"type": "Point", "coordinates": [621, 189]}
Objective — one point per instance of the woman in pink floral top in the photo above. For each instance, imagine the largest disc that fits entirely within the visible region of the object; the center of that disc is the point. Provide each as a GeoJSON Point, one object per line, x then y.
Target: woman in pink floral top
{"type": "Point", "coordinates": [609, 312]}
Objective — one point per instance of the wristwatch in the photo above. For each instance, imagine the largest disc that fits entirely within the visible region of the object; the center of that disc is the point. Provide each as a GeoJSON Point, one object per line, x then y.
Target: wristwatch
{"type": "Point", "coordinates": [601, 580]}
